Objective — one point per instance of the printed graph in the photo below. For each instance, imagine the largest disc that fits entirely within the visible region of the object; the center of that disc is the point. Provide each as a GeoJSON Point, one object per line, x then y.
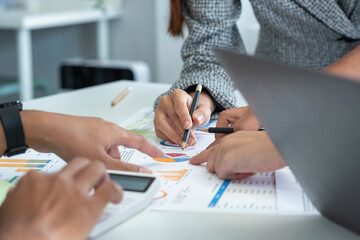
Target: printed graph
{"type": "Point", "coordinates": [175, 175]}
{"type": "Point", "coordinates": [169, 144]}
{"type": "Point", "coordinates": [23, 165]}
{"type": "Point", "coordinates": [173, 158]}
{"type": "Point", "coordinates": [160, 194]}
{"type": "Point", "coordinates": [13, 169]}
{"type": "Point", "coordinates": [206, 125]}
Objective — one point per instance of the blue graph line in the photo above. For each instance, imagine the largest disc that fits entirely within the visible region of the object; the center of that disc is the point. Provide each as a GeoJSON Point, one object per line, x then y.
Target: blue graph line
{"type": "Point", "coordinates": [219, 193]}
{"type": "Point", "coordinates": [165, 143]}
{"type": "Point", "coordinates": [206, 125]}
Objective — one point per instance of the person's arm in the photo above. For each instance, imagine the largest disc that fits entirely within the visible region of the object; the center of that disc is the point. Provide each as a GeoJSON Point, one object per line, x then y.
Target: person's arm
{"type": "Point", "coordinates": [3, 145]}
{"type": "Point", "coordinates": [348, 66]}
{"type": "Point", "coordinates": [211, 24]}
{"type": "Point", "coordinates": [58, 206]}
{"type": "Point", "coordinates": [74, 136]}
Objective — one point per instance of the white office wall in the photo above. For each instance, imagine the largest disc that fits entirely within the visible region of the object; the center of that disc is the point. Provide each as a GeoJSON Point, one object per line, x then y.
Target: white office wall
{"type": "Point", "coordinates": [249, 27]}
{"type": "Point", "coordinates": [169, 57]}
{"type": "Point", "coordinates": [142, 35]}
{"type": "Point", "coordinates": [61, 4]}
{"type": "Point", "coordinates": [133, 36]}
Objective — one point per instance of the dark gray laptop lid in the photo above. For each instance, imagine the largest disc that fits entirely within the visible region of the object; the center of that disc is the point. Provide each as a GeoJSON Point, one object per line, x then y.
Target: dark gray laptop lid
{"type": "Point", "coordinates": [314, 121]}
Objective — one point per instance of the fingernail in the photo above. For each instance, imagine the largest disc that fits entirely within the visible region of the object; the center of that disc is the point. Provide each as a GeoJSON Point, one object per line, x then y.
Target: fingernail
{"type": "Point", "coordinates": [192, 142]}
{"type": "Point", "coordinates": [187, 124]}
{"type": "Point", "coordinates": [199, 117]}
{"type": "Point", "coordinates": [144, 170]}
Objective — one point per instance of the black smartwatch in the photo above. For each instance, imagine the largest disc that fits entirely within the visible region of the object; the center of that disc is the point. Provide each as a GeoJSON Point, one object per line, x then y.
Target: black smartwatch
{"type": "Point", "coordinates": [13, 128]}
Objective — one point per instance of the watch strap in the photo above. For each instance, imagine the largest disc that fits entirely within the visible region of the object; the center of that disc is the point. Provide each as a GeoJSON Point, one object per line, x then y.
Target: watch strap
{"type": "Point", "coordinates": [13, 128]}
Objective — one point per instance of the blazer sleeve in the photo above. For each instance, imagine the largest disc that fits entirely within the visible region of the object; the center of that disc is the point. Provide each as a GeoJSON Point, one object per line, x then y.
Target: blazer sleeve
{"type": "Point", "coordinates": [211, 23]}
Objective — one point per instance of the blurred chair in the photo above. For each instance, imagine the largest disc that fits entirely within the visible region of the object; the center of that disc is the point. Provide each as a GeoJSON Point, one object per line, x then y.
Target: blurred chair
{"type": "Point", "coordinates": [80, 73]}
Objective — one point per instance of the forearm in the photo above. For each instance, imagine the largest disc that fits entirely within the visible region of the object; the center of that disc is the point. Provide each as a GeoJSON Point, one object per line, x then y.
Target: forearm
{"type": "Point", "coordinates": [17, 231]}
{"type": "Point", "coordinates": [348, 66]}
{"type": "Point", "coordinates": [209, 29]}
{"type": "Point", "coordinates": [38, 127]}
{"type": "Point", "coordinates": [216, 83]}
{"type": "Point", "coordinates": [3, 145]}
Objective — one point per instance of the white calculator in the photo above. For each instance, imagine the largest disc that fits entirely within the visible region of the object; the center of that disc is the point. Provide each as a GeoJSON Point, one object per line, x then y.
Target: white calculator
{"type": "Point", "coordinates": [139, 189]}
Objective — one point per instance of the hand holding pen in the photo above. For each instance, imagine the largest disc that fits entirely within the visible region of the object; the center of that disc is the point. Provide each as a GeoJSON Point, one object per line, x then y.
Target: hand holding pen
{"type": "Point", "coordinates": [172, 116]}
{"type": "Point", "coordinates": [192, 110]}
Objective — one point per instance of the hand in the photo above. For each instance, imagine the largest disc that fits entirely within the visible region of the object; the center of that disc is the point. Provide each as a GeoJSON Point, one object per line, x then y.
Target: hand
{"type": "Point", "coordinates": [89, 137]}
{"type": "Point", "coordinates": [172, 115]}
{"type": "Point", "coordinates": [348, 66]}
{"type": "Point", "coordinates": [58, 206]}
{"type": "Point", "coordinates": [240, 155]}
{"type": "Point", "coordinates": [239, 118]}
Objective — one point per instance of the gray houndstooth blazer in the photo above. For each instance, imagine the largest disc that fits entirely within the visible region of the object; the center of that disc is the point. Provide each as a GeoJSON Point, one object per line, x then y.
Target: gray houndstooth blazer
{"type": "Point", "coordinates": [306, 33]}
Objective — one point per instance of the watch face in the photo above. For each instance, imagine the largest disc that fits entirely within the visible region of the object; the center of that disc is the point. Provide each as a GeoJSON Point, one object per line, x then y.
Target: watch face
{"type": "Point", "coordinates": [9, 104]}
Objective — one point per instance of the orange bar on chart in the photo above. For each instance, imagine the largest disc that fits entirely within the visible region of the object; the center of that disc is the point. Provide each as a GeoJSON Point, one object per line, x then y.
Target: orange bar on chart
{"type": "Point", "coordinates": [12, 165]}
{"type": "Point", "coordinates": [22, 165]}
{"type": "Point", "coordinates": [15, 160]}
{"type": "Point", "coordinates": [173, 175]}
{"type": "Point", "coordinates": [23, 170]}
{"type": "Point", "coordinates": [165, 159]}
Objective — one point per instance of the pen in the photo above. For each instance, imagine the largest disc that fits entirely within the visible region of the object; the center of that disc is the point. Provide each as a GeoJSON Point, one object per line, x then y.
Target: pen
{"type": "Point", "coordinates": [192, 109]}
{"type": "Point", "coordinates": [121, 96]}
{"type": "Point", "coordinates": [222, 130]}
{"type": "Point", "coordinates": [217, 130]}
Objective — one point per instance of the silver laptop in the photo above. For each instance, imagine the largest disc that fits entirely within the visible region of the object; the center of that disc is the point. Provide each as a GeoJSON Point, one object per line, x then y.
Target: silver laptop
{"type": "Point", "coordinates": [314, 121]}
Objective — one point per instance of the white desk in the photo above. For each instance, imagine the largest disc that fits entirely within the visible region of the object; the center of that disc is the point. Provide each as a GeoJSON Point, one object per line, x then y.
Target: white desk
{"type": "Point", "coordinates": [95, 101]}
{"type": "Point", "coordinates": [26, 21]}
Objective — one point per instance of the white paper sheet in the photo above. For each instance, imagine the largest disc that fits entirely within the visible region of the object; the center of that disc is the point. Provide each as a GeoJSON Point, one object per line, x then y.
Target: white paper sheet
{"type": "Point", "coordinates": [15, 167]}
{"type": "Point", "coordinates": [292, 200]}
{"type": "Point", "coordinates": [186, 187]}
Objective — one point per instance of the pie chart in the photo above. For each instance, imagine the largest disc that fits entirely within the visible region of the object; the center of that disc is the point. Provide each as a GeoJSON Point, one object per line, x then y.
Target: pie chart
{"type": "Point", "coordinates": [169, 144]}
{"type": "Point", "coordinates": [173, 158]}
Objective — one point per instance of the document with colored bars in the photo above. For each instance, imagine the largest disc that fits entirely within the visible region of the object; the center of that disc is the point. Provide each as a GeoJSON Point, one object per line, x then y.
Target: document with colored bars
{"type": "Point", "coordinates": [187, 187]}
{"type": "Point", "coordinates": [13, 168]}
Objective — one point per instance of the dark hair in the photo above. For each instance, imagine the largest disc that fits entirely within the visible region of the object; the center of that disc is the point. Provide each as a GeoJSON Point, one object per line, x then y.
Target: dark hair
{"type": "Point", "coordinates": [176, 20]}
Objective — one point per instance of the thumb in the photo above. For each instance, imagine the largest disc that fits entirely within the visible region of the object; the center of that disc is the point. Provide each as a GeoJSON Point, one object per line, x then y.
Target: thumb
{"type": "Point", "coordinates": [114, 152]}
{"type": "Point", "coordinates": [201, 116]}
{"type": "Point", "coordinates": [108, 192]}
{"type": "Point", "coordinates": [202, 157]}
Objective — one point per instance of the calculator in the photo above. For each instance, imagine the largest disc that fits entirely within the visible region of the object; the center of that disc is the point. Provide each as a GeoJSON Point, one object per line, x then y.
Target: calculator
{"type": "Point", "coordinates": [139, 189]}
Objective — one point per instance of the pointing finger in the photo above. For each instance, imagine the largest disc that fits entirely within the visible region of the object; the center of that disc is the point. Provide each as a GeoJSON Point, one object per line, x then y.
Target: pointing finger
{"type": "Point", "coordinates": [116, 164]}
{"type": "Point", "coordinates": [133, 140]}
{"type": "Point", "coordinates": [202, 157]}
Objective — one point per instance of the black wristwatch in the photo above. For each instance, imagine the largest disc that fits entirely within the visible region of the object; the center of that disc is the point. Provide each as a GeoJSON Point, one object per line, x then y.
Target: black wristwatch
{"type": "Point", "coordinates": [13, 128]}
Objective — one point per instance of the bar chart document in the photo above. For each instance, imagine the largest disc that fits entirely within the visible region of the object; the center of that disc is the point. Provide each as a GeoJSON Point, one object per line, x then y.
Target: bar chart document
{"type": "Point", "coordinates": [187, 187]}
{"type": "Point", "coordinates": [13, 168]}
